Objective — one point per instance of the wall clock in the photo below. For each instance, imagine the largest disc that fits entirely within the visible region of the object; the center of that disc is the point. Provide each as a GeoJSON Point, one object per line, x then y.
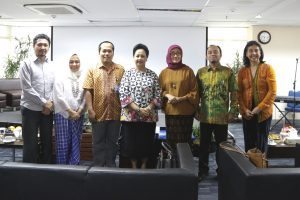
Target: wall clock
{"type": "Point", "coordinates": [264, 37]}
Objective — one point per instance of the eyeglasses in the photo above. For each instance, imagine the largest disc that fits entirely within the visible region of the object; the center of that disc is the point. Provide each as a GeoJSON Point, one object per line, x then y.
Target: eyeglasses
{"type": "Point", "coordinates": [74, 61]}
{"type": "Point", "coordinates": [176, 53]}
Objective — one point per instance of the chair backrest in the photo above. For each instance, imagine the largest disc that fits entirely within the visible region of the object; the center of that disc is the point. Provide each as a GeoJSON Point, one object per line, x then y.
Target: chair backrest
{"type": "Point", "coordinates": [291, 105]}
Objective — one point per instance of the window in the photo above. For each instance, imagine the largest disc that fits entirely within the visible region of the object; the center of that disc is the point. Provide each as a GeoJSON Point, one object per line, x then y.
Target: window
{"type": "Point", "coordinates": [231, 41]}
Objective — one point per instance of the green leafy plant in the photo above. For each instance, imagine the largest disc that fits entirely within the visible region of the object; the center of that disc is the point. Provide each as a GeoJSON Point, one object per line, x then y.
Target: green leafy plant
{"type": "Point", "coordinates": [196, 134]}
{"type": "Point", "coordinates": [237, 63]}
{"type": "Point", "coordinates": [20, 53]}
{"type": "Point", "coordinates": [87, 125]}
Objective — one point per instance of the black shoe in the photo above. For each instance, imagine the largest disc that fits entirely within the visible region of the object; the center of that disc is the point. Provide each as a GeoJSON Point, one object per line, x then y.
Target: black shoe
{"type": "Point", "coordinates": [217, 171]}
{"type": "Point", "coordinates": [202, 175]}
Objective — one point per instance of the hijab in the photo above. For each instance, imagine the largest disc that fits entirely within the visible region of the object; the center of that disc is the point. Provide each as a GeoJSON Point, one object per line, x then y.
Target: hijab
{"type": "Point", "coordinates": [172, 65]}
{"type": "Point", "coordinates": [74, 75]}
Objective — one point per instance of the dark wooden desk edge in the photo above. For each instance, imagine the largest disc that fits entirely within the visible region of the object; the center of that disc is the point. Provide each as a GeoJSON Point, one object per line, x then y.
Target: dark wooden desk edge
{"type": "Point", "coordinates": [17, 144]}
{"type": "Point", "coordinates": [282, 151]}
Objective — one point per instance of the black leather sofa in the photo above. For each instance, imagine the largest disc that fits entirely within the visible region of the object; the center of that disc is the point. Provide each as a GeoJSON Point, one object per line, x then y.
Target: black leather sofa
{"type": "Point", "coordinates": [2, 101]}
{"type": "Point", "coordinates": [239, 179]}
{"type": "Point", "coordinates": [13, 91]}
{"type": "Point", "coordinates": [39, 181]}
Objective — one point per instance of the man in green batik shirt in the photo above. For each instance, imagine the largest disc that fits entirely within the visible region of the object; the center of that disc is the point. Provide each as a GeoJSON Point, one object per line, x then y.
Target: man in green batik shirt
{"type": "Point", "coordinates": [217, 89]}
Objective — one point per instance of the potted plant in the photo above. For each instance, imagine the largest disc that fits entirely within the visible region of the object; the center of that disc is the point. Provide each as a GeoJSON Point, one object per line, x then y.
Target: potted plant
{"type": "Point", "coordinates": [236, 66]}
{"type": "Point", "coordinates": [237, 63]}
{"type": "Point", "coordinates": [20, 53]}
{"type": "Point", "coordinates": [196, 142]}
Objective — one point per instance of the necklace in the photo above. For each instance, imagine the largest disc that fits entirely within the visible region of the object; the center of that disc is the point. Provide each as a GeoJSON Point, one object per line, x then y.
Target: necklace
{"type": "Point", "coordinates": [75, 88]}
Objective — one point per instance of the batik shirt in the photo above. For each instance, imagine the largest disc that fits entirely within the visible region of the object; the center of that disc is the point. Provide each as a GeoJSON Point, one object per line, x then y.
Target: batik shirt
{"type": "Point", "coordinates": [217, 88]}
{"type": "Point", "coordinates": [104, 84]}
{"type": "Point", "coordinates": [142, 88]}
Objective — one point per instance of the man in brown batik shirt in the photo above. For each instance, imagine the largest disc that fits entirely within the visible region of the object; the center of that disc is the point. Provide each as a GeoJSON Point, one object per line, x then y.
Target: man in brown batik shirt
{"type": "Point", "coordinates": [103, 104]}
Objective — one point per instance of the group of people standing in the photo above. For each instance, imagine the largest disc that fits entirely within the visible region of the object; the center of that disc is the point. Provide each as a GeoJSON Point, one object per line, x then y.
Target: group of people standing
{"type": "Point", "coordinates": [43, 89]}
{"type": "Point", "coordinates": [126, 103]}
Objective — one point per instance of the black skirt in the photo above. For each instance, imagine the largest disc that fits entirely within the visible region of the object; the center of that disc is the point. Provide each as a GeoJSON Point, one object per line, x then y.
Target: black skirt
{"type": "Point", "coordinates": [137, 139]}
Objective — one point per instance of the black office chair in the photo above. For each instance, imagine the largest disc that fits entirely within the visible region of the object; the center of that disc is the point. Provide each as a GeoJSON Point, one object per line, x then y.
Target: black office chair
{"type": "Point", "coordinates": [291, 106]}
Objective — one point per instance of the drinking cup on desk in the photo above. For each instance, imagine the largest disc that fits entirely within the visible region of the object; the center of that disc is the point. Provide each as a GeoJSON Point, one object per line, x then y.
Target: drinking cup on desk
{"type": "Point", "coordinates": [283, 136]}
{"type": "Point", "coordinates": [2, 132]}
{"type": "Point", "coordinates": [18, 133]}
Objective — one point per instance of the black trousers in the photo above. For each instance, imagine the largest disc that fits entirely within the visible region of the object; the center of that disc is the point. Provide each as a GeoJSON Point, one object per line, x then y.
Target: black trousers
{"type": "Point", "coordinates": [256, 133]}
{"type": "Point", "coordinates": [34, 122]}
{"type": "Point", "coordinates": [206, 130]}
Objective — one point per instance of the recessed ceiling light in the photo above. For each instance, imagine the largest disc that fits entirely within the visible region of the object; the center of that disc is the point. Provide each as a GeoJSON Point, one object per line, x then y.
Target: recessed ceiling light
{"type": "Point", "coordinates": [258, 16]}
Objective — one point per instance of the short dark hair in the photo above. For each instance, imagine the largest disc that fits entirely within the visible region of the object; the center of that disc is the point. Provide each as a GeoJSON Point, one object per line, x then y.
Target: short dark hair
{"type": "Point", "coordinates": [141, 46]}
{"type": "Point", "coordinates": [215, 46]}
{"type": "Point", "coordinates": [41, 36]}
{"type": "Point", "coordinates": [246, 60]}
{"type": "Point", "coordinates": [99, 47]}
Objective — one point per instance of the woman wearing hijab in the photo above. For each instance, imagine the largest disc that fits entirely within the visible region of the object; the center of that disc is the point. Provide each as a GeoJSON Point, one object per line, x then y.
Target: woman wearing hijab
{"type": "Point", "coordinates": [69, 107]}
{"type": "Point", "coordinates": [180, 97]}
{"type": "Point", "coordinates": [140, 99]}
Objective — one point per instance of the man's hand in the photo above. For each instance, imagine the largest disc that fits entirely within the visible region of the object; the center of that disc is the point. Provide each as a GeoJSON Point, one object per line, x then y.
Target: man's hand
{"type": "Point", "coordinates": [47, 108]}
{"type": "Point", "coordinates": [46, 111]}
{"type": "Point", "coordinates": [92, 115]}
{"type": "Point", "coordinates": [197, 115]}
{"type": "Point", "coordinates": [49, 105]}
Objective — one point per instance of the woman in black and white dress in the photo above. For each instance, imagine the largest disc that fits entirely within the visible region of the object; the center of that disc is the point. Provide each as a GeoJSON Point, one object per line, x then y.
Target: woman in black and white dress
{"type": "Point", "coordinates": [140, 100]}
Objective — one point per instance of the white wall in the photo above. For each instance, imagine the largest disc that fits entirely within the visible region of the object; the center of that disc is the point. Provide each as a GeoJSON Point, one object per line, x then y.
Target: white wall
{"type": "Point", "coordinates": [84, 41]}
{"type": "Point", "coordinates": [281, 53]}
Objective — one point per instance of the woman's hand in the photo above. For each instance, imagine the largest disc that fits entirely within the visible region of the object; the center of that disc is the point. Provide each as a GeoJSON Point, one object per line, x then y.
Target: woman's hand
{"type": "Point", "coordinates": [248, 114]}
{"type": "Point", "coordinates": [146, 111]}
{"type": "Point", "coordinates": [173, 100]}
{"type": "Point", "coordinates": [256, 111]}
{"type": "Point", "coordinates": [73, 114]}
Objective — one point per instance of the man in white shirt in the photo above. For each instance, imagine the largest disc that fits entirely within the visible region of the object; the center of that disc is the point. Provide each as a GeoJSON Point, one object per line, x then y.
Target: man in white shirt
{"type": "Point", "coordinates": [37, 78]}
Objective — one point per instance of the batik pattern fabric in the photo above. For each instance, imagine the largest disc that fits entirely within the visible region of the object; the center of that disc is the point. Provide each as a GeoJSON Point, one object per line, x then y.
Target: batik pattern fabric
{"type": "Point", "coordinates": [142, 88]}
{"type": "Point", "coordinates": [217, 88]}
{"type": "Point", "coordinates": [104, 84]}
{"type": "Point", "coordinates": [67, 135]}
{"type": "Point", "coordinates": [179, 129]}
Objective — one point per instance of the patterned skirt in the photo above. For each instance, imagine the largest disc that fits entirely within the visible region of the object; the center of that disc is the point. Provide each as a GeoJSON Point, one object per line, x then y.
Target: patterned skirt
{"type": "Point", "coordinates": [179, 129]}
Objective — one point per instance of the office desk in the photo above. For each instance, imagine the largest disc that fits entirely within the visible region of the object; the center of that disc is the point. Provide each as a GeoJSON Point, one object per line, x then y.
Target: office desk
{"type": "Point", "coordinates": [13, 145]}
{"type": "Point", "coordinates": [285, 151]}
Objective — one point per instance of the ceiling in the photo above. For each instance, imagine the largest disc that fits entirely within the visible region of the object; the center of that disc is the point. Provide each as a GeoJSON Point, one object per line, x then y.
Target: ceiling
{"type": "Point", "coordinates": [233, 13]}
